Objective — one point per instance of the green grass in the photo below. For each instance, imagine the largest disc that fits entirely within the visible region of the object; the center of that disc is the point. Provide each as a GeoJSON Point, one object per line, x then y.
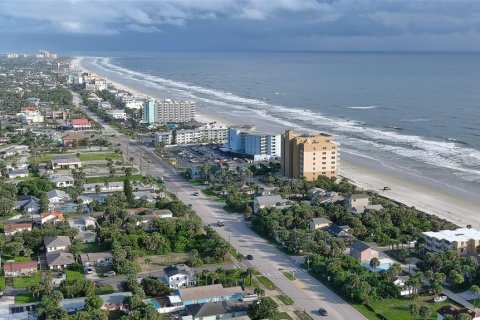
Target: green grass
{"type": "Point", "coordinates": [40, 159]}
{"type": "Point", "coordinates": [302, 315]}
{"type": "Point", "coordinates": [99, 156]}
{"type": "Point", "coordinates": [24, 298]}
{"type": "Point", "coordinates": [285, 299]}
{"type": "Point", "coordinates": [104, 289]}
{"type": "Point", "coordinates": [18, 259]}
{"type": "Point", "coordinates": [197, 182]}
{"type": "Point", "coordinates": [208, 193]}
{"type": "Point", "coordinates": [2, 283]}
{"type": "Point", "coordinates": [477, 302]}
{"type": "Point", "coordinates": [266, 282]}
{"type": "Point", "coordinates": [236, 254]}
{"type": "Point", "coordinates": [74, 275]}
{"type": "Point", "coordinates": [398, 309]}
{"type": "Point", "coordinates": [90, 247]}
{"type": "Point", "coordinates": [369, 314]}
{"type": "Point", "coordinates": [101, 180]}
{"type": "Point", "coordinates": [24, 282]}
{"type": "Point", "coordinates": [289, 275]}
{"type": "Point", "coordinates": [281, 316]}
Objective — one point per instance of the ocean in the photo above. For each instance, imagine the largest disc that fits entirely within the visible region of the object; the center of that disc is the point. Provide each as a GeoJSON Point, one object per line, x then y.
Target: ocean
{"type": "Point", "coordinates": [416, 112]}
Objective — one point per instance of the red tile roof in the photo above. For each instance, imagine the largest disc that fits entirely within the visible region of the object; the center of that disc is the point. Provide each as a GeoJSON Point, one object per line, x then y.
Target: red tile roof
{"type": "Point", "coordinates": [56, 213]}
{"type": "Point", "coordinates": [15, 226]}
{"type": "Point", "coordinates": [28, 109]}
{"type": "Point", "coordinates": [80, 121]}
{"type": "Point", "coordinates": [15, 266]}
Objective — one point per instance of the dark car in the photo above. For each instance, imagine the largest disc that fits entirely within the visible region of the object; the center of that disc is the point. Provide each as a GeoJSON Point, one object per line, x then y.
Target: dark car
{"type": "Point", "coordinates": [322, 312]}
{"type": "Point", "coordinates": [249, 257]}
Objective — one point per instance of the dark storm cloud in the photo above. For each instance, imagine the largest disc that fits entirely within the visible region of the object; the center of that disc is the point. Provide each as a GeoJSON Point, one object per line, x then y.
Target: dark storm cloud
{"type": "Point", "coordinates": [248, 24]}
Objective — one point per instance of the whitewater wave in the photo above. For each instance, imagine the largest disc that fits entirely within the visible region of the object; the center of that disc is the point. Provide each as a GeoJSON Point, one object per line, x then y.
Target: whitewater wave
{"type": "Point", "coordinates": [363, 108]}
{"type": "Point", "coordinates": [352, 134]}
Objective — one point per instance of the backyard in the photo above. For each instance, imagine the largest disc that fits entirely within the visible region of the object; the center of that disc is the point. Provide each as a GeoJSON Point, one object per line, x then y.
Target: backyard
{"type": "Point", "coordinates": [24, 282]}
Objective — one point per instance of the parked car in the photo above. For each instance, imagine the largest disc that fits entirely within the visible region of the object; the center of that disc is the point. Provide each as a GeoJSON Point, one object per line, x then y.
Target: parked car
{"type": "Point", "coordinates": [249, 257]}
{"type": "Point", "coordinates": [322, 312]}
{"type": "Point", "coordinates": [89, 270]}
{"type": "Point", "coordinates": [220, 223]}
{"type": "Point", "coordinates": [110, 274]}
{"type": "Point", "coordinates": [440, 299]}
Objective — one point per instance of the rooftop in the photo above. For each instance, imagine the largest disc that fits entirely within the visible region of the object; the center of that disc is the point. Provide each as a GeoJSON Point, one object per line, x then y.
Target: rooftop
{"type": "Point", "coordinates": [13, 266]}
{"type": "Point", "coordinates": [59, 241]}
{"type": "Point", "coordinates": [270, 200]}
{"type": "Point", "coordinates": [462, 234]}
{"type": "Point", "coordinates": [205, 292]}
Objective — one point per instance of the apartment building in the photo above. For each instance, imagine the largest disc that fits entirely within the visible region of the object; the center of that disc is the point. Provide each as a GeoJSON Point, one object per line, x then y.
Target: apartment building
{"type": "Point", "coordinates": [309, 155]}
{"type": "Point", "coordinates": [149, 111]}
{"type": "Point", "coordinates": [258, 145]}
{"type": "Point", "coordinates": [117, 114]}
{"type": "Point", "coordinates": [175, 111]}
{"type": "Point", "coordinates": [205, 134]}
{"type": "Point", "coordinates": [463, 240]}
{"type": "Point", "coordinates": [165, 137]}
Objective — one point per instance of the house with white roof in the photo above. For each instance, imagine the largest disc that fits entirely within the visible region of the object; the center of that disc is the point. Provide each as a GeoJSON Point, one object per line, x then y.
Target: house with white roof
{"type": "Point", "coordinates": [272, 201]}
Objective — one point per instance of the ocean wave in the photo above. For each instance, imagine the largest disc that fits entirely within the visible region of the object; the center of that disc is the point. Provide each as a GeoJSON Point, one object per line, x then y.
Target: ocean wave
{"type": "Point", "coordinates": [440, 153]}
{"type": "Point", "coordinates": [363, 108]}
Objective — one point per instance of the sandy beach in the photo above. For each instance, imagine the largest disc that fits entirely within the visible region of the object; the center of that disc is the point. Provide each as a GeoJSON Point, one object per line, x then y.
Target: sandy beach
{"type": "Point", "coordinates": [458, 206]}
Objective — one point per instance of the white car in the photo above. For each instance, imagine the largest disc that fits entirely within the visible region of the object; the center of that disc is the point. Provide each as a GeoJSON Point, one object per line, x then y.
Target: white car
{"type": "Point", "coordinates": [89, 270]}
{"type": "Point", "coordinates": [110, 274]}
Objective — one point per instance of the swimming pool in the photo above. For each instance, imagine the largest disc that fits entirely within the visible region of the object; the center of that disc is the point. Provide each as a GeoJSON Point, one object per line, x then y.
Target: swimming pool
{"type": "Point", "coordinates": [155, 303]}
{"type": "Point", "coordinates": [68, 207]}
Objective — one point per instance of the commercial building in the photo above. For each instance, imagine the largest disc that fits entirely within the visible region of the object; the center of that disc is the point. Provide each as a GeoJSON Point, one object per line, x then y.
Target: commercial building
{"type": "Point", "coordinates": [149, 112]}
{"type": "Point", "coordinates": [309, 156]}
{"type": "Point", "coordinates": [205, 134]}
{"type": "Point", "coordinates": [259, 145]}
{"type": "Point", "coordinates": [117, 114]}
{"type": "Point", "coordinates": [463, 240]}
{"type": "Point", "coordinates": [165, 137]}
{"type": "Point", "coordinates": [81, 124]}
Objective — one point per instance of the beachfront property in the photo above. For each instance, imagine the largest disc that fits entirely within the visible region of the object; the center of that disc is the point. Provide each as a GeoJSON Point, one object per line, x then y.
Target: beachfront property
{"type": "Point", "coordinates": [149, 111]}
{"type": "Point", "coordinates": [133, 103]}
{"type": "Point", "coordinates": [359, 203]}
{"type": "Point", "coordinates": [363, 252]}
{"type": "Point", "coordinates": [463, 240]}
{"type": "Point", "coordinates": [168, 110]}
{"type": "Point", "coordinates": [272, 201]}
{"type": "Point", "coordinates": [117, 114]}
{"type": "Point", "coordinates": [165, 137]}
{"type": "Point", "coordinates": [257, 145]}
{"type": "Point", "coordinates": [179, 276]}
{"type": "Point", "coordinates": [65, 162]}
{"type": "Point", "coordinates": [309, 156]}
{"type": "Point", "coordinates": [319, 223]}
{"type": "Point", "coordinates": [205, 134]}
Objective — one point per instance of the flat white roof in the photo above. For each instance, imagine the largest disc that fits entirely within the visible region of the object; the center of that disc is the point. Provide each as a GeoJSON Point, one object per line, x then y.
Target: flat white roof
{"type": "Point", "coordinates": [462, 234]}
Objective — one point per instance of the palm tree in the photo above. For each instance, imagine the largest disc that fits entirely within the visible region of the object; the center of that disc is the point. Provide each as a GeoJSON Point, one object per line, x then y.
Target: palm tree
{"type": "Point", "coordinates": [475, 291]}
{"type": "Point", "coordinates": [374, 263]}
{"type": "Point", "coordinates": [249, 273]}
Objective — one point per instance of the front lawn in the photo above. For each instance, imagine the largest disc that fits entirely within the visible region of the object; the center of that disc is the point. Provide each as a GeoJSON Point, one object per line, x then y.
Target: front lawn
{"type": "Point", "coordinates": [2, 283]}
{"type": "Point", "coordinates": [24, 298]}
{"type": "Point", "coordinates": [74, 275]}
{"type": "Point", "coordinates": [398, 309]}
{"type": "Point", "coordinates": [18, 258]}
{"type": "Point", "coordinates": [266, 282]}
{"type": "Point", "coordinates": [104, 289]}
{"type": "Point", "coordinates": [90, 247]}
{"type": "Point", "coordinates": [24, 282]}
{"type": "Point", "coordinates": [99, 156]}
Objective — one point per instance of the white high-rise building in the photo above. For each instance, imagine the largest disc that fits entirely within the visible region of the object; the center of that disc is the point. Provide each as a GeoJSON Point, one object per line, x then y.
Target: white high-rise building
{"type": "Point", "coordinates": [258, 145]}
{"type": "Point", "coordinates": [174, 111]}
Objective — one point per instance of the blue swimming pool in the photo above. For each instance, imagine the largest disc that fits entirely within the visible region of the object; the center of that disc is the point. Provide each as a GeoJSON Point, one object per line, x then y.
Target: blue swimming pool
{"type": "Point", "coordinates": [155, 303]}
{"type": "Point", "coordinates": [68, 207]}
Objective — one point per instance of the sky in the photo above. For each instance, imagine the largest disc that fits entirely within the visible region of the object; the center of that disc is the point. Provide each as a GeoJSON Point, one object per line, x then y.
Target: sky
{"type": "Point", "coordinates": [89, 26]}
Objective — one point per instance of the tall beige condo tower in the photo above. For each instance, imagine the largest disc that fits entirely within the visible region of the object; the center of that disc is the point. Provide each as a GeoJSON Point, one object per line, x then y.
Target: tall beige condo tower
{"type": "Point", "coordinates": [309, 155]}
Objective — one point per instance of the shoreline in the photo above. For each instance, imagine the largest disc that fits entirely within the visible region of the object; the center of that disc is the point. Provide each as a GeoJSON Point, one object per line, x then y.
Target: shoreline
{"type": "Point", "coordinates": [457, 206]}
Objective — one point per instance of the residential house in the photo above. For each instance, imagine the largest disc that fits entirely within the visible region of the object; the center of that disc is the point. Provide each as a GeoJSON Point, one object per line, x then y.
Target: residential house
{"type": "Point", "coordinates": [29, 204]}
{"type": "Point", "coordinates": [147, 219]}
{"type": "Point", "coordinates": [18, 173]}
{"type": "Point", "coordinates": [15, 269]}
{"type": "Point", "coordinates": [104, 105]}
{"type": "Point", "coordinates": [104, 187]}
{"type": "Point", "coordinates": [204, 294]}
{"type": "Point", "coordinates": [463, 240]}
{"type": "Point", "coordinates": [52, 216]}
{"type": "Point", "coordinates": [319, 223]}
{"type": "Point", "coordinates": [359, 203]}
{"type": "Point", "coordinates": [66, 162]}
{"type": "Point", "coordinates": [4, 140]}
{"type": "Point", "coordinates": [275, 201]}
{"type": "Point", "coordinates": [62, 181]}
{"type": "Point", "coordinates": [339, 231]}
{"type": "Point", "coordinates": [401, 283]}
{"type": "Point", "coordinates": [58, 243]}
{"type": "Point", "coordinates": [216, 310]}
{"type": "Point", "coordinates": [454, 312]}
{"type": "Point", "coordinates": [96, 259]}
{"type": "Point", "coordinates": [117, 114]}
{"type": "Point", "coordinates": [179, 276]}
{"type": "Point", "coordinates": [11, 228]}
{"type": "Point", "coordinates": [82, 225]}
{"type": "Point", "coordinates": [111, 302]}
{"type": "Point", "coordinates": [363, 252]}
{"type": "Point", "coordinates": [56, 196]}
{"type": "Point", "coordinates": [81, 124]}
{"type": "Point", "coordinates": [73, 139]}
{"type": "Point", "coordinates": [59, 260]}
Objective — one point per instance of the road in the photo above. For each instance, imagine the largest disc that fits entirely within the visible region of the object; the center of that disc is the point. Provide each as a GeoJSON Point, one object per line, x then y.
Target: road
{"type": "Point", "coordinates": [307, 292]}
